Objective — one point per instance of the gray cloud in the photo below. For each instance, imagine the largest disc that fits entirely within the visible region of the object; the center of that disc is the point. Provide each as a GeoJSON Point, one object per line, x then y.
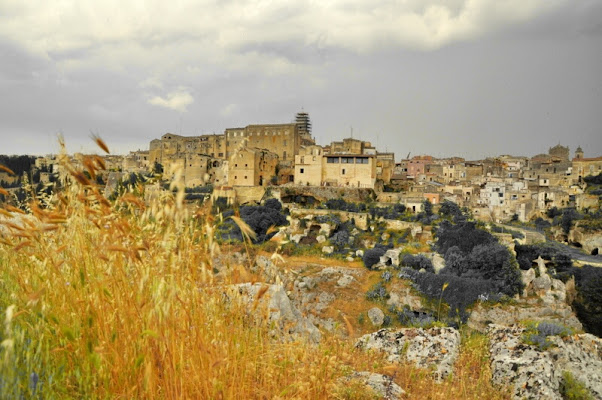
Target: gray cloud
{"type": "Point", "coordinates": [470, 77]}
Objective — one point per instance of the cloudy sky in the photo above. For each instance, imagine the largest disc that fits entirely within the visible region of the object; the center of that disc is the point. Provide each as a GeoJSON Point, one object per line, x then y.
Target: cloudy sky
{"type": "Point", "coordinates": [472, 78]}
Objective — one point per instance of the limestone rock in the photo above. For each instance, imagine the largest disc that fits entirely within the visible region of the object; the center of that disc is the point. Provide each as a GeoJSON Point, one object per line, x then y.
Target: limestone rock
{"type": "Point", "coordinates": [527, 277]}
{"type": "Point", "coordinates": [401, 296]}
{"type": "Point", "coordinates": [426, 348]}
{"type": "Point", "coordinates": [359, 253]}
{"type": "Point", "coordinates": [376, 316]}
{"type": "Point", "coordinates": [286, 318]}
{"type": "Point", "coordinates": [326, 229]}
{"type": "Point", "coordinates": [391, 257]}
{"type": "Point", "coordinates": [321, 238]}
{"type": "Point", "coordinates": [438, 262]}
{"type": "Point", "coordinates": [327, 249]}
{"type": "Point", "coordinates": [481, 316]}
{"type": "Point", "coordinates": [345, 280]}
{"type": "Point", "coordinates": [536, 374]}
{"type": "Point", "coordinates": [382, 385]}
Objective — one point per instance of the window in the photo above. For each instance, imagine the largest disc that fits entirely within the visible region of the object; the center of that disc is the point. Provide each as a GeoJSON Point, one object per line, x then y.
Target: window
{"type": "Point", "coordinates": [284, 142]}
{"type": "Point", "coordinates": [343, 171]}
{"type": "Point", "coordinates": [245, 177]}
{"type": "Point", "coordinates": [246, 165]}
{"type": "Point", "coordinates": [301, 170]}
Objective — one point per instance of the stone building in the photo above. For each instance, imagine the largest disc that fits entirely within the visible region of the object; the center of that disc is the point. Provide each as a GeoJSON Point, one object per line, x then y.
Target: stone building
{"type": "Point", "coordinates": [137, 161]}
{"type": "Point", "coordinates": [417, 165]}
{"type": "Point", "coordinates": [308, 166]}
{"type": "Point", "coordinates": [560, 152]}
{"type": "Point", "coordinates": [285, 140]}
{"type": "Point", "coordinates": [314, 168]}
{"type": "Point", "coordinates": [252, 166]}
{"type": "Point", "coordinates": [583, 167]}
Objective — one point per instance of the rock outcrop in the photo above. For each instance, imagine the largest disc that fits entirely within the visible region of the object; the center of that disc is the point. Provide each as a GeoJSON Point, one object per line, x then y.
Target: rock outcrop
{"type": "Point", "coordinates": [314, 293]}
{"type": "Point", "coordinates": [382, 385]}
{"type": "Point", "coordinates": [481, 316]}
{"type": "Point", "coordinates": [536, 374]}
{"type": "Point", "coordinates": [286, 319]}
{"type": "Point", "coordinates": [435, 348]}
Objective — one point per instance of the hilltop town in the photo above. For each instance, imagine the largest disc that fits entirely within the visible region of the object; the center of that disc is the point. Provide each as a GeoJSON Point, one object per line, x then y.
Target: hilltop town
{"type": "Point", "coordinates": [241, 160]}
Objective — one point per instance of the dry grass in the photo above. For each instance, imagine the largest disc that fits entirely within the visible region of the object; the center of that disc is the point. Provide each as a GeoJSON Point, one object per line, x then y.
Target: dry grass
{"type": "Point", "coordinates": [119, 300]}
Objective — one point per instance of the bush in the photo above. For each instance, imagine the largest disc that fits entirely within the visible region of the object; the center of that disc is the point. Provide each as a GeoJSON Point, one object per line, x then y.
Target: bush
{"type": "Point", "coordinates": [372, 256]}
{"type": "Point", "coordinates": [464, 235]}
{"type": "Point", "coordinates": [553, 212]}
{"type": "Point", "coordinates": [588, 304]}
{"type": "Point", "coordinates": [259, 219]}
{"type": "Point", "coordinates": [418, 319]}
{"type": "Point", "coordinates": [573, 389]}
{"type": "Point", "coordinates": [537, 333]}
{"type": "Point", "coordinates": [417, 262]}
{"type": "Point", "coordinates": [594, 179]}
{"type": "Point", "coordinates": [541, 224]}
{"type": "Point", "coordinates": [569, 215]}
{"type": "Point", "coordinates": [274, 204]}
{"type": "Point", "coordinates": [449, 209]}
{"type": "Point", "coordinates": [525, 254]}
{"type": "Point", "coordinates": [459, 294]}
{"type": "Point", "coordinates": [378, 292]}
{"type": "Point", "coordinates": [475, 254]}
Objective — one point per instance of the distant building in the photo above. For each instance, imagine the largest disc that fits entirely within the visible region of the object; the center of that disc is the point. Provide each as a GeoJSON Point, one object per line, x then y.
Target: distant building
{"type": "Point", "coordinates": [314, 168]}
{"type": "Point", "coordinates": [252, 167]}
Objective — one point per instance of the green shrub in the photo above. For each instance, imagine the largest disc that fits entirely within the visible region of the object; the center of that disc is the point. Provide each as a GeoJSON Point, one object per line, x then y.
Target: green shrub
{"type": "Point", "coordinates": [573, 389]}
{"type": "Point", "coordinates": [372, 256]}
{"type": "Point", "coordinates": [537, 333]}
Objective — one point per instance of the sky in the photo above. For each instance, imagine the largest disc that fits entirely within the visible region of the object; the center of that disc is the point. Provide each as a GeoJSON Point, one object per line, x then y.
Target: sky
{"type": "Point", "coordinates": [468, 78]}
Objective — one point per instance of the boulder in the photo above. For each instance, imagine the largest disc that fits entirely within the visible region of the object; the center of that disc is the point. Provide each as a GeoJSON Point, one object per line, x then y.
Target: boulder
{"type": "Point", "coordinates": [327, 249]}
{"type": "Point", "coordinates": [321, 238]}
{"type": "Point", "coordinates": [297, 238]}
{"type": "Point", "coordinates": [359, 253]}
{"type": "Point", "coordinates": [376, 316]}
{"type": "Point", "coordinates": [527, 278]}
{"type": "Point", "coordinates": [326, 229]}
{"type": "Point", "coordinates": [345, 280]}
{"type": "Point", "coordinates": [382, 385]}
{"type": "Point", "coordinates": [438, 262]}
{"type": "Point", "coordinates": [537, 374]}
{"type": "Point", "coordinates": [435, 348]}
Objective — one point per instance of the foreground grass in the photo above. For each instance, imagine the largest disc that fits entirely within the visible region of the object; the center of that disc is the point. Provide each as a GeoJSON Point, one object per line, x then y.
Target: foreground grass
{"type": "Point", "coordinates": [107, 300]}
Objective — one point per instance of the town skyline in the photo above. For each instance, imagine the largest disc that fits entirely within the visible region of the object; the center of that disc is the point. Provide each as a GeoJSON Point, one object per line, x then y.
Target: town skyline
{"type": "Point", "coordinates": [92, 148]}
